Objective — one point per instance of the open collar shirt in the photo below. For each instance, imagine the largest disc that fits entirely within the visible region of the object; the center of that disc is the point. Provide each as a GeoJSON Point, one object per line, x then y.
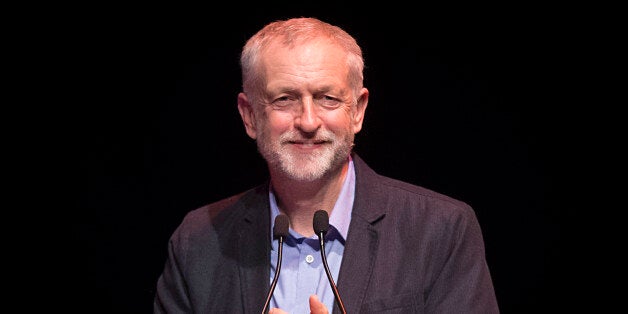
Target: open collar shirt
{"type": "Point", "coordinates": [302, 272]}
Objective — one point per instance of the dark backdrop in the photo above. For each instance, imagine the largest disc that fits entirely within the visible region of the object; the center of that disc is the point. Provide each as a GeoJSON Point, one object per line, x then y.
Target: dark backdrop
{"type": "Point", "coordinates": [457, 105]}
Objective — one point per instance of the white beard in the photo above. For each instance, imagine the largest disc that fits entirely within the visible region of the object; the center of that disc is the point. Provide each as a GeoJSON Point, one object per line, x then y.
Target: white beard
{"type": "Point", "coordinates": [305, 166]}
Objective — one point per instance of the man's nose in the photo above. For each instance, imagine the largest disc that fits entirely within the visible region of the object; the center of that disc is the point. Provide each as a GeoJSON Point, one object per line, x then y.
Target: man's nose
{"type": "Point", "coordinates": [307, 120]}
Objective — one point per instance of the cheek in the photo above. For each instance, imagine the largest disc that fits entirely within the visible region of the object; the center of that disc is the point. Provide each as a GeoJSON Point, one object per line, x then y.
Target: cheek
{"type": "Point", "coordinates": [277, 123]}
{"type": "Point", "coordinates": [339, 121]}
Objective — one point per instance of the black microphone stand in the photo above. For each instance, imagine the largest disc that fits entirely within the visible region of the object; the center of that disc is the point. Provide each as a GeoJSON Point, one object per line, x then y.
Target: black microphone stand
{"type": "Point", "coordinates": [280, 230]}
{"type": "Point", "coordinates": [321, 225]}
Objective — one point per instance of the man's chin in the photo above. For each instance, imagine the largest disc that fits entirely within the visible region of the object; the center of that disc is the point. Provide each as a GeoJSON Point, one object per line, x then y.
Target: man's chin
{"type": "Point", "coordinates": [300, 172]}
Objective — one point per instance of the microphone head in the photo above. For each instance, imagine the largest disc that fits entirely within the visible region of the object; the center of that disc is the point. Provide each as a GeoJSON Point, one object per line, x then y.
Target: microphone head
{"type": "Point", "coordinates": [280, 229]}
{"type": "Point", "coordinates": [321, 221]}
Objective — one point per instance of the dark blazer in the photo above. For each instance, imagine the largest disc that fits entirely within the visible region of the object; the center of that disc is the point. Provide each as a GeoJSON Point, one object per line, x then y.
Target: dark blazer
{"type": "Point", "coordinates": [408, 250]}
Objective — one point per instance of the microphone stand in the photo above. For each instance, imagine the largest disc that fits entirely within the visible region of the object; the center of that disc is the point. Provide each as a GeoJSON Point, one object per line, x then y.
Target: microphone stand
{"type": "Point", "coordinates": [280, 231]}
{"type": "Point", "coordinates": [321, 225]}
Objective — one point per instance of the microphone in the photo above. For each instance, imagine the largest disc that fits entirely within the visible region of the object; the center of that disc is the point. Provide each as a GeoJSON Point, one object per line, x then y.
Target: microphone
{"type": "Point", "coordinates": [321, 225]}
{"type": "Point", "coordinates": [280, 230]}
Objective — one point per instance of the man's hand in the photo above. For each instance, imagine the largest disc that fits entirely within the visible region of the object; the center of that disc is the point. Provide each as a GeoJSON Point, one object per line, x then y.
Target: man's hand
{"type": "Point", "coordinates": [316, 307]}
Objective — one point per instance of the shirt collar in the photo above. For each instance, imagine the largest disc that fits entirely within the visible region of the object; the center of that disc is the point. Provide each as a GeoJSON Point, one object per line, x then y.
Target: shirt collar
{"type": "Point", "coordinates": [341, 214]}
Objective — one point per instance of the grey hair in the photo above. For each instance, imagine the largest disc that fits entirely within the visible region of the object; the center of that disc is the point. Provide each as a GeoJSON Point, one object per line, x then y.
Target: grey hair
{"type": "Point", "coordinates": [291, 32]}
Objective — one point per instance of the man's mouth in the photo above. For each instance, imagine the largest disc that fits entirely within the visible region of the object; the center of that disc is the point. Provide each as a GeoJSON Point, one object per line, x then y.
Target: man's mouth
{"type": "Point", "coordinates": [307, 143]}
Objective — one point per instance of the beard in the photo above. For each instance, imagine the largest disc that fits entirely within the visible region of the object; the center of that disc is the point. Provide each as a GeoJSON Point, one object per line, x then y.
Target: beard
{"type": "Point", "coordinates": [302, 166]}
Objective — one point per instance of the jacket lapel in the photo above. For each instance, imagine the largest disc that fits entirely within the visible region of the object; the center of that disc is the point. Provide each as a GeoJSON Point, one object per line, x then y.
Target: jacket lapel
{"type": "Point", "coordinates": [254, 250]}
{"type": "Point", "coordinates": [362, 240]}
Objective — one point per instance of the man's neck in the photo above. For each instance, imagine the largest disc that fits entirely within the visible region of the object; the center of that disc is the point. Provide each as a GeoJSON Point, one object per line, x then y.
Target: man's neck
{"type": "Point", "coordinates": [299, 200]}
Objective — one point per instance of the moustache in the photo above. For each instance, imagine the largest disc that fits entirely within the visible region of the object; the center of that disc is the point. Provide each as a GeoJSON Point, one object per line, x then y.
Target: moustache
{"type": "Point", "coordinates": [298, 137]}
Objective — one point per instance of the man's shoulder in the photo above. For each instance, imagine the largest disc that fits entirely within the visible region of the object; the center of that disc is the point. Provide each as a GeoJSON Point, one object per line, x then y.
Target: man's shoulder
{"type": "Point", "coordinates": [217, 206]}
{"type": "Point", "coordinates": [218, 212]}
{"type": "Point", "coordinates": [370, 182]}
{"type": "Point", "coordinates": [411, 202]}
{"type": "Point", "coordinates": [412, 190]}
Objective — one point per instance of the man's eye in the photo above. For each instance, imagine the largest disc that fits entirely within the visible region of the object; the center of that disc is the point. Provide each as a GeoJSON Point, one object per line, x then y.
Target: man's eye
{"type": "Point", "coordinates": [329, 102]}
{"type": "Point", "coordinates": [283, 102]}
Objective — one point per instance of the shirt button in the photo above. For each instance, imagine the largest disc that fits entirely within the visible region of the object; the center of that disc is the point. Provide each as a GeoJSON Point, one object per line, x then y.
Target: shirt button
{"type": "Point", "coordinates": [309, 259]}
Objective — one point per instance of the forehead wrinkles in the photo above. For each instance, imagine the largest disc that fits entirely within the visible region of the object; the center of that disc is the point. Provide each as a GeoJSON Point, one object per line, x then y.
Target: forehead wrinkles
{"type": "Point", "coordinates": [290, 68]}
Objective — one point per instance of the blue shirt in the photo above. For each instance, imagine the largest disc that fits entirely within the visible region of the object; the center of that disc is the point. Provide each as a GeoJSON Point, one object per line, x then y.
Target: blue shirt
{"type": "Point", "coordinates": [302, 272]}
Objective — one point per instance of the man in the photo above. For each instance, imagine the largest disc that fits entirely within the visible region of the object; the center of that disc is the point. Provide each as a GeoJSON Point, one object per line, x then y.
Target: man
{"type": "Point", "coordinates": [392, 247]}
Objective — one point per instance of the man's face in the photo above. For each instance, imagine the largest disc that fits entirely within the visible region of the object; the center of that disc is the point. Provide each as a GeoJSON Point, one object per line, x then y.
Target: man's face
{"type": "Point", "coordinates": [306, 123]}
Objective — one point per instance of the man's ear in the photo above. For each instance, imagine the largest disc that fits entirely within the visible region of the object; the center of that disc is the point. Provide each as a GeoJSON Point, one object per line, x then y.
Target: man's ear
{"type": "Point", "coordinates": [359, 110]}
{"type": "Point", "coordinates": [248, 116]}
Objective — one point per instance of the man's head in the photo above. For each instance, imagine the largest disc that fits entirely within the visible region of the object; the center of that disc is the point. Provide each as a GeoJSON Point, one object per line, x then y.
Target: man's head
{"type": "Point", "coordinates": [303, 98]}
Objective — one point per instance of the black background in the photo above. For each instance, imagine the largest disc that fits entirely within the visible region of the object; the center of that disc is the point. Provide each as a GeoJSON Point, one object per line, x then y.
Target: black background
{"type": "Point", "coordinates": [459, 104]}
